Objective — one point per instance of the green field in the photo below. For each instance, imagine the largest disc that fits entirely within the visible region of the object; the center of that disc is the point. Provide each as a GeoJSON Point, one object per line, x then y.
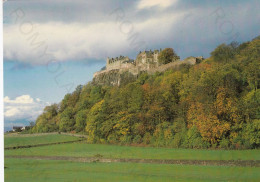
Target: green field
{"type": "Point", "coordinates": [81, 149]}
{"type": "Point", "coordinates": [44, 170]}
{"type": "Point", "coordinates": [14, 140]}
{"type": "Point", "coordinates": [56, 170]}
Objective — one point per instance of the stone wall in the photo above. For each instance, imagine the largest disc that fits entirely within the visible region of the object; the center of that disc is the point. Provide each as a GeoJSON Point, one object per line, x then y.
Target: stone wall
{"type": "Point", "coordinates": [120, 68]}
{"type": "Point", "coordinates": [130, 71]}
{"type": "Point", "coordinates": [118, 63]}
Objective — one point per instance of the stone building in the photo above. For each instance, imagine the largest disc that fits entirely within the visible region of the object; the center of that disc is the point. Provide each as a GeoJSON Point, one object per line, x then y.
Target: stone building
{"type": "Point", "coordinates": [146, 61]}
{"type": "Point", "coordinates": [120, 62]}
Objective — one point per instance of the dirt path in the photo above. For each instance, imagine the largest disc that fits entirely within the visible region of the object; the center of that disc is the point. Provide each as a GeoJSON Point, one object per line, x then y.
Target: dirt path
{"type": "Point", "coordinates": [244, 163]}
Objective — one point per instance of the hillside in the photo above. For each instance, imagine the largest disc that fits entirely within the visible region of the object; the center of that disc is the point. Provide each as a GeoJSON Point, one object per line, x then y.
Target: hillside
{"type": "Point", "coordinates": [215, 103]}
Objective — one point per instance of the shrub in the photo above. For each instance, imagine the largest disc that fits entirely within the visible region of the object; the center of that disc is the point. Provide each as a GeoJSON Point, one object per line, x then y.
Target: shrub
{"type": "Point", "coordinates": [147, 138]}
{"type": "Point", "coordinates": [112, 138]}
{"type": "Point", "coordinates": [177, 140]}
{"type": "Point", "coordinates": [224, 143]}
{"type": "Point", "coordinates": [193, 138]}
{"type": "Point", "coordinates": [126, 139]}
{"type": "Point", "coordinates": [137, 139]}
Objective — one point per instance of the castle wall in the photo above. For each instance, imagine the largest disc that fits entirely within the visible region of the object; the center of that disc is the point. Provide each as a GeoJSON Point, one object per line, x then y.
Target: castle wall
{"type": "Point", "coordinates": [146, 61]}
{"type": "Point", "coordinates": [114, 65]}
{"type": "Point", "coordinates": [150, 68]}
{"type": "Point", "coordinates": [118, 63]}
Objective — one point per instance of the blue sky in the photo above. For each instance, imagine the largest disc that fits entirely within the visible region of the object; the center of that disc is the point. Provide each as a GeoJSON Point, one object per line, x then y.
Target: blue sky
{"type": "Point", "coordinates": [50, 47]}
{"type": "Point", "coordinates": [38, 80]}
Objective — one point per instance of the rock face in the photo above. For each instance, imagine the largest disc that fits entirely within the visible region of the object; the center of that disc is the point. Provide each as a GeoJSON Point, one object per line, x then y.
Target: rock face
{"type": "Point", "coordinates": [122, 69]}
{"type": "Point", "coordinates": [113, 77]}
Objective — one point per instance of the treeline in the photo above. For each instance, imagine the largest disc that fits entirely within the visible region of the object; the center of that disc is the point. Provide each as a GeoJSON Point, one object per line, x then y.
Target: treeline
{"type": "Point", "coordinates": [214, 104]}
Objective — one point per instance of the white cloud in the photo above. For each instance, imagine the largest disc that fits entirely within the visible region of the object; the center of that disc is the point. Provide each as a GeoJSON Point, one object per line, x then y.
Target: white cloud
{"type": "Point", "coordinates": [24, 99]}
{"type": "Point", "coordinates": [143, 4]}
{"type": "Point", "coordinates": [22, 107]}
{"type": "Point", "coordinates": [72, 41]}
{"type": "Point", "coordinates": [12, 112]}
{"type": "Point", "coordinates": [80, 32]}
{"type": "Point", "coordinates": [81, 41]}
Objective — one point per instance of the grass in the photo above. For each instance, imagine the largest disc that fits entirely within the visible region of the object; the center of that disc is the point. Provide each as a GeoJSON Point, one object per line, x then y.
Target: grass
{"type": "Point", "coordinates": [81, 149]}
{"type": "Point", "coordinates": [12, 141]}
{"type": "Point", "coordinates": [55, 170]}
{"type": "Point", "coordinates": [44, 170]}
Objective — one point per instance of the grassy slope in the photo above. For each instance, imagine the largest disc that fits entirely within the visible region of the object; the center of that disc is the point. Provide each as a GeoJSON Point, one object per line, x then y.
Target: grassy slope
{"type": "Point", "coordinates": [10, 141]}
{"type": "Point", "coordinates": [43, 170]}
{"type": "Point", "coordinates": [112, 151]}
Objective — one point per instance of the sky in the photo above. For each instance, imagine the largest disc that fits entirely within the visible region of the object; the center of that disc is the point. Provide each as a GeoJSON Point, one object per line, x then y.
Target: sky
{"type": "Point", "coordinates": [51, 46]}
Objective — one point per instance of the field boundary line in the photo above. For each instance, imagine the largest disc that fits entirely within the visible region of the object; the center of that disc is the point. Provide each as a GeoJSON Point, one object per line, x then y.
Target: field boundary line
{"type": "Point", "coordinates": [242, 163]}
{"type": "Point", "coordinates": [44, 134]}
{"type": "Point", "coordinates": [39, 145]}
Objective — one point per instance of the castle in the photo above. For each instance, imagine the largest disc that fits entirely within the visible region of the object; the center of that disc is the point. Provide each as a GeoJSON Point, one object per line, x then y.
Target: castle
{"type": "Point", "coordinates": [146, 61]}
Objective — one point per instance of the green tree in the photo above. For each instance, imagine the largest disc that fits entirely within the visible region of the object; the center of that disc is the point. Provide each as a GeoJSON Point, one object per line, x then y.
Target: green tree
{"type": "Point", "coordinates": [93, 122]}
{"type": "Point", "coordinates": [67, 120]}
{"type": "Point", "coordinates": [223, 53]}
{"type": "Point", "coordinates": [167, 55]}
{"type": "Point", "coordinates": [81, 118]}
{"type": "Point", "coordinates": [47, 121]}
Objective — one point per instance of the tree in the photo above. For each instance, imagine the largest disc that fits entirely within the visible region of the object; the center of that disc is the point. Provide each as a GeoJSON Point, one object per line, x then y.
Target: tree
{"type": "Point", "coordinates": [251, 134]}
{"type": "Point", "coordinates": [223, 53]}
{"type": "Point", "coordinates": [193, 138]}
{"type": "Point", "coordinates": [167, 55]}
{"type": "Point", "coordinates": [209, 126]}
{"type": "Point", "coordinates": [46, 122]}
{"type": "Point", "coordinates": [252, 72]}
{"type": "Point", "coordinates": [81, 117]}
{"type": "Point", "coordinates": [93, 122]}
{"type": "Point", "coordinates": [213, 103]}
{"type": "Point", "coordinates": [67, 120]}
{"type": "Point", "coordinates": [32, 124]}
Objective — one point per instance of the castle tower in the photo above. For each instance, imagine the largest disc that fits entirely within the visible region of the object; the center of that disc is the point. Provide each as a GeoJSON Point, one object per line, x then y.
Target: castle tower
{"type": "Point", "coordinates": [108, 63]}
{"type": "Point", "coordinates": [107, 60]}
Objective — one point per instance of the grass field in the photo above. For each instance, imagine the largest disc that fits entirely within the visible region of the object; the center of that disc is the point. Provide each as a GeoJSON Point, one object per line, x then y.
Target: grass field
{"type": "Point", "coordinates": [44, 170]}
{"type": "Point", "coordinates": [81, 149]}
{"type": "Point", "coordinates": [57, 170]}
{"type": "Point", "coordinates": [13, 140]}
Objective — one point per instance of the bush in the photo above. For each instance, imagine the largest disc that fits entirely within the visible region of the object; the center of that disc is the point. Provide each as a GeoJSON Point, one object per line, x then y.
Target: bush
{"type": "Point", "coordinates": [224, 143]}
{"type": "Point", "coordinates": [159, 140]}
{"type": "Point", "coordinates": [112, 138]}
{"type": "Point", "coordinates": [237, 143]}
{"type": "Point", "coordinates": [137, 139]}
{"type": "Point", "coordinates": [147, 138]}
{"type": "Point", "coordinates": [193, 138]}
{"type": "Point", "coordinates": [126, 139]}
{"type": "Point", "coordinates": [177, 140]}
{"type": "Point", "coordinates": [251, 134]}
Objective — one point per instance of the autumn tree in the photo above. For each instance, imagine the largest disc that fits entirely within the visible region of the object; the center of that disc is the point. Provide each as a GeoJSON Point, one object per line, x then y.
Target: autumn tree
{"type": "Point", "coordinates": [215, 103]}
{"type": "Point", "coordinates": [167, 55]}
